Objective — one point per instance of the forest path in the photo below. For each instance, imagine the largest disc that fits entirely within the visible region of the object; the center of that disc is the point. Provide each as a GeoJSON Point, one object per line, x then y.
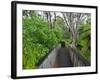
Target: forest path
{"type": "Point", "coordinates": [59, 57]}
{"type": "Point", "coordinates": [63, 58]}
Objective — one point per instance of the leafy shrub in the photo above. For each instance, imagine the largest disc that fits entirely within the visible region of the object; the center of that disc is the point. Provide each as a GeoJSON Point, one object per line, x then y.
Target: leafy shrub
{"type": "Point", "coordinates": [83, 43]}
{"type": "Point", "coordinates": [38, 39]}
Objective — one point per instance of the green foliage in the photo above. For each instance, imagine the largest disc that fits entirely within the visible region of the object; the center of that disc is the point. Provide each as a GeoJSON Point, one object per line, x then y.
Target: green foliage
{"type": "Point", "coordinates": [59, 22]}
{"type": "Point", "coordinates": [38, 39]}
{"type": "Point", "coordinates": [83, 43]}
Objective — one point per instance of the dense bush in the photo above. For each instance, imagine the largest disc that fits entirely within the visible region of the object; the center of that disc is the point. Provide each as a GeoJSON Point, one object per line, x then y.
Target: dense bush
{"type": "Point", "coordinates": [84, 41]}
{"type": "Point", "coordinates": [38, 39]}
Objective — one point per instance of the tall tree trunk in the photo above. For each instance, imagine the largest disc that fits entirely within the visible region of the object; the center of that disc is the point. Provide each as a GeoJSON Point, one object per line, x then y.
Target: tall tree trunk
{"type": "Point", "coordinates": [74, 39]}
{"type": "Point", "coordinates": [54, 22]}
{"type": "Point", "coordinates": [50, 23]}
{"type": "Point", "coordinates": [71, 26]}
{"type": "Point", "coordinates": [48, 17]}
